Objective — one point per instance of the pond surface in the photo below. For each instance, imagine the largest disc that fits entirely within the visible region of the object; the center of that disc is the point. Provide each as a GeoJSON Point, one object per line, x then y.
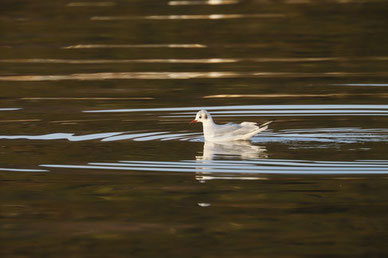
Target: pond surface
{"type": "Point", "coordinates": [98, 157]}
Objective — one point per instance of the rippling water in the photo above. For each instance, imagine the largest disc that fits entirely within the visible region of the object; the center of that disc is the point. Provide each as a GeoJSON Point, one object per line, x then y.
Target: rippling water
{"type": "Point", "coordinates": [98, 157]}
{"type": "Point", "coordinates": [205, 164]}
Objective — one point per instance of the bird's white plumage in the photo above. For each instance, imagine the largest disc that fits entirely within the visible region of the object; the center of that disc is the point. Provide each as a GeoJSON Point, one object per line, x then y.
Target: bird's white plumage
{"type": "Point", "coordinates": [229, 131]}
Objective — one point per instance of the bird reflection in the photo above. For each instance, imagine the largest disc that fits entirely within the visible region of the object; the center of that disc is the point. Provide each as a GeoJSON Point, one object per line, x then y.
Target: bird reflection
{"type": "Point", "coordinates": [232, 150]}
{"type": "Point", "coordinates": [211, 167]}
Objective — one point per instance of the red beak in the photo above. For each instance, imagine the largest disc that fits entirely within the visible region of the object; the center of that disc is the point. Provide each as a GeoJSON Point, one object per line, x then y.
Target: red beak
{"type": "Point", "coordinates": [194, 121]}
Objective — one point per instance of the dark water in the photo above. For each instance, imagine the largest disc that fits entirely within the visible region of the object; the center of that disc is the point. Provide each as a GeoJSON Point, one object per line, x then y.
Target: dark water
{"type": "Point", "coordinates": [98, 158]}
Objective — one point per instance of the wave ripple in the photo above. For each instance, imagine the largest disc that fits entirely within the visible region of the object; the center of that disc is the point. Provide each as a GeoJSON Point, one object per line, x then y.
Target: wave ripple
{"type": "Point", "coordinates": [258, 167]}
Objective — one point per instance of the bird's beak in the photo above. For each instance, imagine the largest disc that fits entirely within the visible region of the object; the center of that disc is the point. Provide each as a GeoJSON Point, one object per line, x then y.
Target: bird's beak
{"type": "Point", "coordinates": [194, 121]}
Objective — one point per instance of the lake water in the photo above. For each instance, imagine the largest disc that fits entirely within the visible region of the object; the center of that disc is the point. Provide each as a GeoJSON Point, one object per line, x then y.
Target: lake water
{"type": "Point", "coordinates": [98, 158]}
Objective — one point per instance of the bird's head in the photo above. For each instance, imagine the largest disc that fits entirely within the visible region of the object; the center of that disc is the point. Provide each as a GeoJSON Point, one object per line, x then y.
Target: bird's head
{"type": "Point", "coordinates": [202, 116]}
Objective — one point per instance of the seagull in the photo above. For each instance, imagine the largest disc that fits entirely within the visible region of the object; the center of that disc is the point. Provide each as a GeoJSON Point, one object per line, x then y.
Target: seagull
{"type": "Point", "coordinates": [227, 132]}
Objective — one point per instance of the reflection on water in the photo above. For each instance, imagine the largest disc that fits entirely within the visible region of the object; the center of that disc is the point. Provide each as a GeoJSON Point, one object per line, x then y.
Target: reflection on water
{"type": "Point", "coordinates": [23, 170]}
{"type": "Point", "coordinates": [231, 160]}
{"type": "Point", "coordinates": [90, 4]}
{"type": "Point", "coordinates": [81, 46]}
{"type": "Point", "coordinates": [239, 150]}
{"type": "Point", "coordinates": [122, 75]}
{"type": "Point", "coordinates": [121, 61]}
{"type": "Point", "coordinates": [95, 102]}
{"type": "Point", "coordinates": [255, 166]}
{"type": "Point", "coordinates": [188, 17]}
{"type": "Point", "coordinates": [326, 135]}
{"type": "Point", "coordinates": [109, 136]}
{"type": "Point", "coordinates": [208, 2]}
{"type": "Point", "coordinates": [303, 137]}
{"type": "Point", "coordinates": [59, 136]}
{"type": "Point", "coordinates": [188, 61]}
{"type": "Point", "coordinates": [162, 136]}
{"type": "Point", "coordinates": [329, 95]}
{"type": "Point", "coordinates": [86, 98]}
{"type": "Point", "coordinates": [182, 75]}
{"type": "Point", "coordinates": [363, 84]}
{"type": "Point", "coordinates": [263, 110]}
{"type": "Point", "coordinates": [244, 149]}
{"type": "Point", "coordinates": [10, 109]}
{"type": "Point", "coordinates": [244, 108]}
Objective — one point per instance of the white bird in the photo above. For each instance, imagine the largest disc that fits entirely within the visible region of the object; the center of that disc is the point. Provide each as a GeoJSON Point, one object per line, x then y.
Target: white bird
{"type": "Point", "coordinates": [227, 132]}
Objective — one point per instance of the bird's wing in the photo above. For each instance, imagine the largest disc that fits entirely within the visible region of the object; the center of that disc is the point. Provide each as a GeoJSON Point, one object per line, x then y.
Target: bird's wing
{"type": "Point", "coordinates": [226, 129]}
{"type": "Point", "coordinates": [246, 128]}
{"type": "Point", "coordinates": [248, 124]}
{"type": "Point", "coordinates": [231, 129]}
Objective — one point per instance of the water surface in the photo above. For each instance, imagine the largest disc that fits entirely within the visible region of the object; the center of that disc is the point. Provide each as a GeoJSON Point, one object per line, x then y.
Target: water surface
{"type": "Point", "coordinates": [98, 157]}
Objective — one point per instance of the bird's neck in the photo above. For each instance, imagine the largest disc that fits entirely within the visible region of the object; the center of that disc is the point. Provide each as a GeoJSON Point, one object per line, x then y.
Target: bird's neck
{"type": "Point", "coordinates": [208, 128]}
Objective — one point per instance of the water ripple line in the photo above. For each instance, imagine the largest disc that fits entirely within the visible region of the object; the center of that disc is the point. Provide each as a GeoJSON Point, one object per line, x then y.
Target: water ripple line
{"type": "Point", "coordinates": [190, 17]}
{"type": "Point", "coordinates": [10, 109]}
{"type": "Point", "coordinates": [201, 2]}
{"type": "Point", "coordinates": [120, 61]}
{"type": "Point", "coordinates": [213, 60]}
{"type": "Point", "coordinates": [92, 46]}
{"type": "Point", "coordinates": [108, 136]}
{"type": "Point", "coordinates": [259, 167]}
{"type": "Point", "coordinates": [60, 136]}
{"type": "Point", "coordinates": [241, 108]}
{"type": "Point", "coordinates": [363, 84]}
{"type": "Point", "coordinates": [182, 75]}
{"type": "Point", "coordinates": [23, 170]}
{"type": "Point", "coordinates": [91, 4]}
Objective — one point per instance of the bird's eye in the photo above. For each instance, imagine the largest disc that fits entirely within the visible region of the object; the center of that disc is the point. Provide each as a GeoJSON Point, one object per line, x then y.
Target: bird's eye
{"type": "Point", "coordinates": [200, 117]}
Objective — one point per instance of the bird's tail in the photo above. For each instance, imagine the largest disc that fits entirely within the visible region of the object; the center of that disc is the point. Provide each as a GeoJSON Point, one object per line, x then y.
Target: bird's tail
{"type": "Point", "coordinates": [265, 124]}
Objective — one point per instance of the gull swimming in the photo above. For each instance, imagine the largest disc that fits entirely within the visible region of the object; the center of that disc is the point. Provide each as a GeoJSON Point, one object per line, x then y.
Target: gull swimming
{"type": "Point", "coordinates": [227, 132]}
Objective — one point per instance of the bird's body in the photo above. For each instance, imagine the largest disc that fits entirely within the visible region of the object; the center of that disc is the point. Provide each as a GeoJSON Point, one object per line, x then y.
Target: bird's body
{"type": "Point", "coordinates": [227, 132]}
